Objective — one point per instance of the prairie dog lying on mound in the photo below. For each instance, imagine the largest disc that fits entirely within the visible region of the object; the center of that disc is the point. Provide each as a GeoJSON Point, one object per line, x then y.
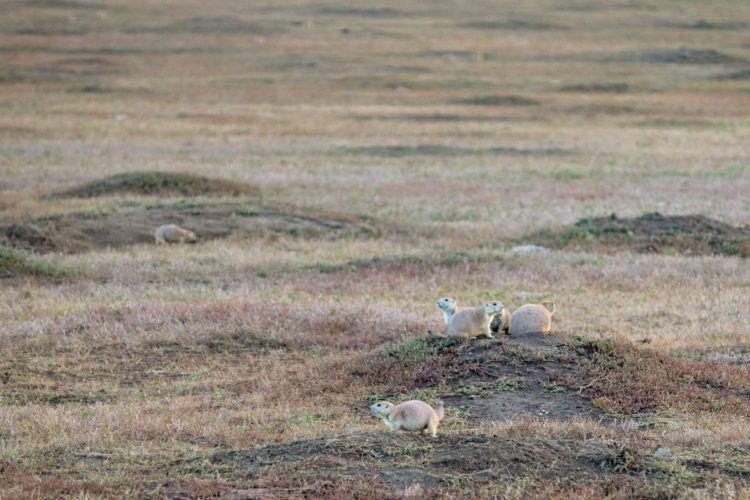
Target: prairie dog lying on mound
{"type": "Point", "coordinates": [532, 318]}
{"type": "Point", "coordinates": [173, 233]}
{"type": "Point", "coordinates": [412, 415]}
{"type": "Point", "coordinates": [501, 322]}
{"type": "Point", "coordinates": [448, 306]}
{"type": "Point", "coordinates": [474, 322]}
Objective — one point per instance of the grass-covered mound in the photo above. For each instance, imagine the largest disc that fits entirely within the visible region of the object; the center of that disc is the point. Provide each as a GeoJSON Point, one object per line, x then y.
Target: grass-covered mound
{"type": "Point", "coordinates": [18, 262]}
{"type": "Point", "coordinates": [650, 233]}
{"type": "Point", "coordinates": [160, 183]}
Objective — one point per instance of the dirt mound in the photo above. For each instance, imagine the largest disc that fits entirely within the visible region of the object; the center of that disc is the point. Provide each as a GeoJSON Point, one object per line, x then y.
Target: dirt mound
{"type": "Point", "coordinates": [743, 74]}
{"type": "Point", "coordinates": [651, 233]}
{"type": "Point", "coordinates": [605, 87]}
{"type": "Point", "coordinates": [160, 183]}
{"type": "Point", "coordinates": [550, 376]}
{"type": "Point", "coordinates": [397, 462]}
{"type": "Point", "coordinates": [682, 55]}
{"type": "Point", "coordinates": [497, 100]}
{"type": "Point", "coordinates": [80, 232]}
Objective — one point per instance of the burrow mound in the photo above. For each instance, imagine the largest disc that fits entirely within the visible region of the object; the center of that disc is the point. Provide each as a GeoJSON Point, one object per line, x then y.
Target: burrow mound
{"type": "Point", "coordinates": [551, 376]}
{"type": "Point", "coordinates": [397, 462]}
{"type": "Point", "coordinates": [651, 233]}
{"type": "Point", "coordinates": [17, 262]}
{"type": "Point", "coordinates": [680, 55]}
{"type": "Point", "coordinates": [79, 232]}
{"type": "Point", "coordinates": [542, 376]}
{"type": "Point", "coordinates": [159, 183]}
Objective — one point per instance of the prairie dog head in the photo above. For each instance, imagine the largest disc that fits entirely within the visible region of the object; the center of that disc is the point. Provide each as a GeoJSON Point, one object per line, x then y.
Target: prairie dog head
{"type": "Point", "coordinates": [190, 237]}
{"type": "Point", "coordinates": [447, 304]}
{"type": "Point", "coordinates": [493, 308]}
{"type": "Point", "coordinates": [381, 409]}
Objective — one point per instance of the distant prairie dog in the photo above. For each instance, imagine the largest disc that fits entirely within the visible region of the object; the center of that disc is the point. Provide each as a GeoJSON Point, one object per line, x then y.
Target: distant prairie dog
{"type": "Point", "coordinates": [172, 233]}
{"type": "Point", "coordinates": [448, 306]}
{"type": "Point", "coordinates": [473, 322]}
{"type": "Point", "coordinates": [412, 415]}
{"type": "Point", "coordinates": [532, 318]}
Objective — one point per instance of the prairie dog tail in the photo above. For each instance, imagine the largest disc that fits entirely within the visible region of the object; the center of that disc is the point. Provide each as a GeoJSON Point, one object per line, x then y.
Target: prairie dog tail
{"type": "Point", "coordinates": [439, 410]}
{"type": "Point", "coordinates": [549, 305]}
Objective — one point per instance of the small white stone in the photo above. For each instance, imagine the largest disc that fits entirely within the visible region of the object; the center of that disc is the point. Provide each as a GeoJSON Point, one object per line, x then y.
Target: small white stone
{"type": "Point", "coordinates": [662, 453]}
{"type": "Point", "coordinates": [526, 249]}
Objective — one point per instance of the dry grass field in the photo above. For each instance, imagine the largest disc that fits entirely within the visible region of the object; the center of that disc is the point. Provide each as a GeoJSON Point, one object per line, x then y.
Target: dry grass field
{"type": "Point", "coordinates": [345, 164]}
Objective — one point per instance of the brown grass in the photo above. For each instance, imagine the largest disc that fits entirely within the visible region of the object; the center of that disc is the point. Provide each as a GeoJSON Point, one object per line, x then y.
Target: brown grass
{"type": "Point", "coordinates": [622, 378]}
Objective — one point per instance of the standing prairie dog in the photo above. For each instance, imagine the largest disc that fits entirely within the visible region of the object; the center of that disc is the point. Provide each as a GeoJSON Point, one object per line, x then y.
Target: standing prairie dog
{"type": "Point", "coordinates": [532, 318]}
{"type": "Point", "coordinates": [412, 415]}
{"type": "Point", "coordinates": [474, 322]}
{"type": "Point", "coordinates": [448, 306]}
{"type": "Point", "coordinates": [172, 233]}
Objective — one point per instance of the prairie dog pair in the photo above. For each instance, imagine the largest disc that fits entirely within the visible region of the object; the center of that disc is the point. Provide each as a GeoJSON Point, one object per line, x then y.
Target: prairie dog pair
{"type": "Point", "coordinates": [472, 322]}
{"type": "Point", "coordinates": [412, 415]}
{"type": "Point", "coordinates": [498, 315]}
{"type": "Point", "coordinates": [172, 233]}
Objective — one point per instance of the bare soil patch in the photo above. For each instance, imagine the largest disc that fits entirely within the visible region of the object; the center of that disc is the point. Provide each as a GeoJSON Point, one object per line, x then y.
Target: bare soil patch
{"type": "Point", "coordinates": [79, 232]}
{"type": "Point", "coordinates": [160, 183]}
{"type": "Point", "coordinates": [398, 461]}
{"type": "Point", "coordinates": [651, 233]}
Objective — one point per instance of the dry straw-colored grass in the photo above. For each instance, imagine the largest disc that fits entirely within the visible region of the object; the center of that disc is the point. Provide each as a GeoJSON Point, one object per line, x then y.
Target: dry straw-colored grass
{"type": "Point", "coordinates": [454, 132]}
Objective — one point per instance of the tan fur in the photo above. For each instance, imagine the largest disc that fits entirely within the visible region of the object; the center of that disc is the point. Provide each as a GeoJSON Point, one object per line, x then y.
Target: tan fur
{"type": "Point", "coordinates": [172, 233]}
{"type": "Point", "coordinates": [501, 322]}
{"type": "Point", "coordinates": [532, 318]}
{"type": "Point", "coordinates": [412, 415]}
{"type": "Point", "coordinates": [474, 322]}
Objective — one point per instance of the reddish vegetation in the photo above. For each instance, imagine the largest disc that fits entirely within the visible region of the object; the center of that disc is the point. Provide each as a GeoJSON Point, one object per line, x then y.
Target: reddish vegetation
{"type": "Point", "coordinates": [630, 380]}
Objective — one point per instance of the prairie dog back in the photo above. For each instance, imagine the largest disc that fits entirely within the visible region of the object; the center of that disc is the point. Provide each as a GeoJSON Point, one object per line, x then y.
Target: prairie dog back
{"type": "Point", "coordinates": [466, 323]}
{"type": "Point", "coordinates": [532, 318]}
{"type": "Point", "coordinates": [172, 233]}
{"type": "Point", "coordinates": [473, 322]}
{"type": "Point", "coordinates": [414, 415]}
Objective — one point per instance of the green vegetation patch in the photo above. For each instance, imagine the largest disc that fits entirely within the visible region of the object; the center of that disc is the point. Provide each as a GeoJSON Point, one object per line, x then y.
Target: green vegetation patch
{"type": "Point", "coordinates": [18, 262]}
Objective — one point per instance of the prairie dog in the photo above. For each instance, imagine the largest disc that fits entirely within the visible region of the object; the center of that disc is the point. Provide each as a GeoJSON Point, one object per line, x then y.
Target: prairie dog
{"type": "Point", "coordinates": [448, 306]}
{"type": "Point", "coordinates": [170, 233]}
{"type": "Point", "coordinates": [532, 318]}
{"type": "Point", "coordinates": [412, 415]}
{"type": "Point", "coordinates": [474, 322]}
{"type": "Point", "coordinates": [501, 322]}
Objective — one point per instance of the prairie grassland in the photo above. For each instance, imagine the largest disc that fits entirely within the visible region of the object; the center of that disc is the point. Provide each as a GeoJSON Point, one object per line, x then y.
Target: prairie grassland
{"type": "Point", "coordinates": [244, 365]}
